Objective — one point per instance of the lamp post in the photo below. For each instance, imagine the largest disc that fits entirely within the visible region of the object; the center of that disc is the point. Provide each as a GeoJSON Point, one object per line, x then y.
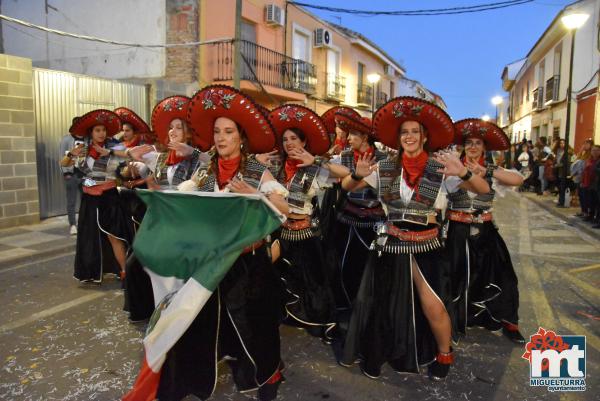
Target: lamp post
{"type": "Point", "coordinates": [572, 21]}
{"type": "Point", "coordinates": [373, 79]}
{"type": "Point", "coordinates": [497, 101]}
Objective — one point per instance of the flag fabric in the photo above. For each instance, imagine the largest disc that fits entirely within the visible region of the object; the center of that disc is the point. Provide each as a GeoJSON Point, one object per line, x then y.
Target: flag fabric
{"type": "Point", "coordinates": [187, 243]}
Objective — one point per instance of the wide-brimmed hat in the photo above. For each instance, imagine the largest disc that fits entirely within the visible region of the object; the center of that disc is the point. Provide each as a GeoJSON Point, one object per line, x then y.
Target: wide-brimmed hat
{"type": "Point", "coordinates": [82, 126]}
{"type": "Point", "coordinates": [129, 116]}
{"type": "Point", "coordinates": [329, 116]}
{"type": "Point", "coordinates": [492, 136]}
{"type": "Point", "coordinates": [349, 122]}
{"type": "Point", "coordinates": [389, 117]}
{"type": "Point", "coordinates": [295, 116]}
{"type": "Point", "coordinates": [216, 101]}
{"type": "Point", "coordinates": [166, 111]}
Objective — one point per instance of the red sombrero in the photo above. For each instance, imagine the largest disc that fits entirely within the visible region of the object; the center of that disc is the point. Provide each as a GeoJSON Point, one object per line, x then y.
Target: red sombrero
{"type": "Point", "coordinates": [391, 115]}
{"type": "Point", "coordinates": [329, 116]}
{"type": "Point", "coordinates": [216, 101]}
{"type": "Point", "coordinates": [296, 116]}
{"type": "Point", "coordinates": [166, 111]}
{"type": "Point", "coordinates": [130, 117]}
{"type": "Point", "coordinates": [492, 135]}
{"type": "Point", "coordinates": [349, 122]}
{"type": "Point", "coordinates": [83, 124]}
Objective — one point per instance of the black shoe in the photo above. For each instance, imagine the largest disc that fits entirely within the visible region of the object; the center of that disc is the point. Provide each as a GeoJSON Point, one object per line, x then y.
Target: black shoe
{"type": "Point", "coordinates": [268, 391]}
{"type": "Point", "coordinates": [439, 369]}
{"type": "Point", "coordinates": [371, 373]}
{"type": "Point", "coordinates": [513, 335]}
{"type": "Point", "coordinates": [492, 325]}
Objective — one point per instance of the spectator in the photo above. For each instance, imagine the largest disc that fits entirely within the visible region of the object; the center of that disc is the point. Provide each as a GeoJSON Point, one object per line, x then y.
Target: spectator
{"type": "Point", "coordinates": [526, 163]}
{"type": "Point", "coordinates": [72, 178]}
{"type": "Point", "coordinates": [590, 182]}
{"type": "Point", "coordinates": [510, 157]}
{"type": "Point", "coordinates": [577, 174]}
{"type": "Point", "coordinates": [550, 175]}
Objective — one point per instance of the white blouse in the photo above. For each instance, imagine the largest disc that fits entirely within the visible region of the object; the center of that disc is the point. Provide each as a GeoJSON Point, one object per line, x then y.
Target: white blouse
{"type": "Point", "coordinates": [320, 182]}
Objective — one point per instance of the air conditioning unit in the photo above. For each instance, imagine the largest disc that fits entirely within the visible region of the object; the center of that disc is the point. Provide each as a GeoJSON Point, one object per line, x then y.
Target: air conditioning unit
{"type": "Point", "coordinates": [274, 15]}
{"type": "Point", "coordinates": [389, 70]}
{"type": "Point", "coordinates": [322, 38]}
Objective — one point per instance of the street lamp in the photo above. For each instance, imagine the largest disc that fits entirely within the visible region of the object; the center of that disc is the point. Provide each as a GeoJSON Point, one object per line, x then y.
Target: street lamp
{"type": "Point", "coordinates": [572, 20]}
{"type": "Point", "coordinates": [497, 101]}
{"type": "Point", "coordinates": [485, 117]}
{"type": "Point", "coordinates": [373, 79]}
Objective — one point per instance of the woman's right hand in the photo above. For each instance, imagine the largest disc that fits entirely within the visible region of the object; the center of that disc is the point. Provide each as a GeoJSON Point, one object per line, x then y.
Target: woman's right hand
{"type": "Point", "coordinates": [77, 150]}
{"type": "Point", "coordinates": [365, 165]}
{"type": "Point", "coordinates": [137, 152]}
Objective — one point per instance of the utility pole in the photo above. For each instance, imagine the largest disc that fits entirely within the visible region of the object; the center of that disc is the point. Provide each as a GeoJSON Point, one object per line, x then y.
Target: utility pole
{"type": "Point", "coordinates": [237, 59]}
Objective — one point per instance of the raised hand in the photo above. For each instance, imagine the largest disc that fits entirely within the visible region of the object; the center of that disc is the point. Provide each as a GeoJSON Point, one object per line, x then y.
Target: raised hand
{"type": "Point", "coordinates": [137, 152]}
{"type": "Point", "coordinates": [77, 150]}
{"type": "Point", "coordinates": [452, 164]}
{"type": "Point", "coordinates": [181, 149]}
{"type": "Point", "coordinates": [365, 165]}
{"type": "Point", "coordinates": [102, 151]}
{"type": "Point", "coordinates": [476, 168]}
{"type": "Point", "coordinates": [301, 154]}
{"type": "Point", "coordinates": [267, 158]}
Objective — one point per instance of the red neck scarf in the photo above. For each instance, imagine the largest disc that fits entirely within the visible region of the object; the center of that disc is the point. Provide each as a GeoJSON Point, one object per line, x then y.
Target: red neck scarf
{"type": "Point", "coordinates": [291, 166]}
{"type": "Point", "coordinates": [227, 169]}
{"type": "Point", "coordinates": [358, 154]}
{"type": "Point", "coordinates": [133, 142]}
{"type": "Point", "coordinates": [173, 159]}
{"type": "Point", "coordinates": [413, 168]}
{"type": "Point", "coordinates": [92, 151]}
{"type": "Point", "coordinates": [341, 143]}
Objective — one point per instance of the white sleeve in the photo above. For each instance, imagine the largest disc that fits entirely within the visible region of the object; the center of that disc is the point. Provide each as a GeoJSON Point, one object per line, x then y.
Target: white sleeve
{"type": "Point", "coordinates": [337, 159]}
{"type": "Point", "coordinates": [441, 202]}
{"type": "Point", "coordinates": [150, 159]}
{"type": "Point", "coordinates": [118, 146]}
{"type": "Point", "coordinates": [451, 184]}
{"type": "Point", "coordinates": [372, 179]}
{"type": "Point", "coordinates": [142, 169]}
{"type": "Point", "coordinates": [322, 178]}
{"type": "Point", "coordinates": [273, 186]}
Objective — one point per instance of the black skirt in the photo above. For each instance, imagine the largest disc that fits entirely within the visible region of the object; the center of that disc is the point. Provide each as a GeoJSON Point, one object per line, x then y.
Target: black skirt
{"type": "Point", "coordinates": [240, 320]}
{"type": "Point", "coordinates": [387, 323]}
{"type": "Point", "coordinates": [483, 277]}
{"type": "Point", "coordinates": [138, 297]}
{"type": "Point", "coordinates": [100, 216]}
{"type": "Point", "coordinates": [302, 269]}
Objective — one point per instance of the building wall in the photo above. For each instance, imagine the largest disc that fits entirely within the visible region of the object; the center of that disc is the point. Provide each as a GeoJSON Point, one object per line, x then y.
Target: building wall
{"type": "Point", "coordinates": [18, 177]}
{"type": "Point", "coordinates": [137, 21]}
{"type": "Point", "coordinates": [584, 120]}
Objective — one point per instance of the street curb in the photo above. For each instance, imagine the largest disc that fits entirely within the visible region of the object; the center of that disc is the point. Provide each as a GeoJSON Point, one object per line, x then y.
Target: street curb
{"type": "Point", "coordinates": [572, 221]}
{"type": "Point", "coordinates": [24, 259]}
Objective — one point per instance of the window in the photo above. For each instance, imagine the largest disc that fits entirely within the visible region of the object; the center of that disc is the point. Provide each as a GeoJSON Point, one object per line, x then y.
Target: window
{"type": "Point", "coordinates": [301, 43]}
{"type": "Point", "coordinates": [361, 74]}
{"type": "Point", "coordinates": [527, 93]}
{"type": "Point", "coordinates": [557, 59]}
{"type": "Point", "coordinates": [392, 89]}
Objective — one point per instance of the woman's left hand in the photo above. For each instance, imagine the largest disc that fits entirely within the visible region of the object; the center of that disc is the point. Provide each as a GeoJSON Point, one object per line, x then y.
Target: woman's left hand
{"type": "Point", "coordinates": [238, 186]}
{"type": "Point", "coordinates": [301, 154]}
{"type": "Point", "coordinates": [476, 168]}
{"type": "Point", "coordinates": [452, 164]}
{"type": "Point", "coordinates": [101, 150]}
{"type": "Point", "coordinates": [181, 149]}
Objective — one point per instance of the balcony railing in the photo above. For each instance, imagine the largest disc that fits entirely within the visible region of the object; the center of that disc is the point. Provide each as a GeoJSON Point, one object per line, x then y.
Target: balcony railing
{"type": "Point", "coordinates": [538, 98]}
{"type": "Point", "coordinates": [552, 88]}
{"type": "Point", "coordinates": [336, 86]}
{"type": "Point", "coordinates": [382, 97]}
{"type": "Point", "coordinates": [264, 66]}
{"type": "Point", "coordinates": [364, 95]}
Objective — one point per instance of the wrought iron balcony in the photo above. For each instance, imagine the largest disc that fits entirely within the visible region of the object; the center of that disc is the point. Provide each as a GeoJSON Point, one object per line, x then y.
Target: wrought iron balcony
{"type": "Point", "coordinates": [336, 86]}
{"type": "Point", "coordinates": [263, 65]}
{"type": "Point", "coordinates": [382, 97]}
{"type": "Point", "coordinates": [364, 95]}
{"type": "Point", "coordinates": [552, 86]}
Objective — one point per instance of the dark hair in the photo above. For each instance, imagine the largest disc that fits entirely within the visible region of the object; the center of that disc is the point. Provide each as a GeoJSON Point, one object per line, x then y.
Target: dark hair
{"type": "Point", "coordinates": [133, 128]}
{"type": "Point", "coordinates": [214, 160]}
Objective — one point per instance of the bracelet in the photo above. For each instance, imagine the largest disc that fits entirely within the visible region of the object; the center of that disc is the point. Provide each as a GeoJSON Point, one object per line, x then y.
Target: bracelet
{"type": "Point", "coordinates": [318, 161]}
{"type": "Point", "coordinates": [489, 172]}
{"type": "Point", "coordinates": [356, 177]}
{"type": "Point", "coordinates": [467, 176]}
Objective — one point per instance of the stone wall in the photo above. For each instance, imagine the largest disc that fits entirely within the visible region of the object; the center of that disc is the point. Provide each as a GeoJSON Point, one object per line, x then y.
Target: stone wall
{"type": "Point", "coordinates": [19, 197]}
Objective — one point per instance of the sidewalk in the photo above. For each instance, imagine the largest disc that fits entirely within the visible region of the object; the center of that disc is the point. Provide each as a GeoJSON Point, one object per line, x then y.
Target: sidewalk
{"type": "Point", "coordinates": [567, 214]}
{"type": "Point", "coordinates": [49, 237]}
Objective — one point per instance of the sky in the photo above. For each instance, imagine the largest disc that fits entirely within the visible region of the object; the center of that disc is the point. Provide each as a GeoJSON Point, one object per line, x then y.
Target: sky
{"type": "Point", "coordinates": [460, 57]}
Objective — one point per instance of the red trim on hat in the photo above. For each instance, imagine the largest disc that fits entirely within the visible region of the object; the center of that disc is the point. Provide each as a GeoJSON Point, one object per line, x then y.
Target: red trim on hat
{"type": "Point", "coordinates": [82, 125]}
{"type": "Point", "coordinates": [389, 117]}
{"type": "Point", "coordinates": [166, 111]}
{"type": "Point", "coordinates": [216, 101]}
{"type": "Point", "coordinates": [329, 116]}
{"type": "Point", "coordinates": [130, 117]}
{"type": "Point", "coordinates": [492, 135]}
